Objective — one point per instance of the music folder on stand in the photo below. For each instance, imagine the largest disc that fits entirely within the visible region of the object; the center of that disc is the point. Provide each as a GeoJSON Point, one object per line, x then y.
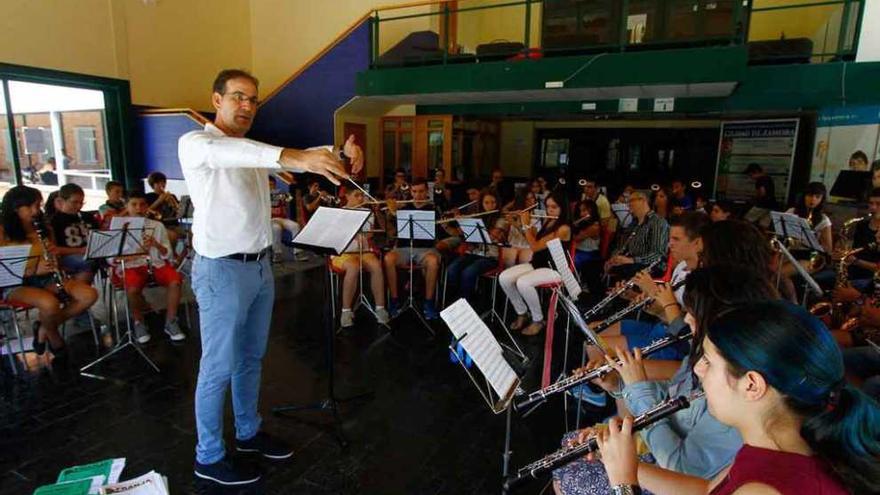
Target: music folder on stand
{"type": "Point", "coordinates": [329, 232]}
{"type": "Point", "coordinates": [119, 243]}
{"type": "Point", "coordinates": [499, 383]}
{"type": "Point", "coordinates": [788, 225]}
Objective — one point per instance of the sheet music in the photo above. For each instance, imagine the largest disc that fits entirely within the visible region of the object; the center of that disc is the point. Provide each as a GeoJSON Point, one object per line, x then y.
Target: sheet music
{"type": "Point", "coordinates": [332, 228]}
{"type": "Point", "coordinates": [579, 322]}
{"type": "Point", "coordinates": [557, 253]}
{"type": "Point", "coordinates": [473, 230]}
{"type": "Point", "coordinates": [479, 342]}
{"type": "Point", "coordinates": [14, 259]}
{"type": "Point", "coordinates": [136, 229]}
{"type": "Point", "coordinates": [791, 225]}
{"type": "Point", "coordinates": [621, 211]}
{"type": "Point", "coordinates": [423, 222]}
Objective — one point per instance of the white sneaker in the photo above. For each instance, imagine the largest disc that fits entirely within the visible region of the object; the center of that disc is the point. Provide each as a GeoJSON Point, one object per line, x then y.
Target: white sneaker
{"type": "Point", "coordinates": [382, 316]}
{"type": "Point", "coordinates": [346, 319]}
{"type": "Point", "coordinates": [141, 334]}
{"type": "Point", "coordinates": [172, 329]}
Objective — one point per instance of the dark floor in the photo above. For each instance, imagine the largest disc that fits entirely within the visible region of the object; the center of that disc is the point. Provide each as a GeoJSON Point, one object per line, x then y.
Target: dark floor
{"type": "Point", "coordinates": [425, 430]}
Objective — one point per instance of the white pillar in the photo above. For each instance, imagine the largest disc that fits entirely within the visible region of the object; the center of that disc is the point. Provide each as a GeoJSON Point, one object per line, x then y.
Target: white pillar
{"type": "Point", "coordinates": [58, 145]}
{"type": "Point", "coordinates": [869, 39]}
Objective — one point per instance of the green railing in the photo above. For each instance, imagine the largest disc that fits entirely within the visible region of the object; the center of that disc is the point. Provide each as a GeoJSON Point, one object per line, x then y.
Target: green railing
{"type": "Point", "coordinates": [484, 30]}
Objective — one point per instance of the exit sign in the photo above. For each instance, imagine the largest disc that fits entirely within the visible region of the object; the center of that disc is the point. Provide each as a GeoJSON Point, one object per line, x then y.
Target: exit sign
{"type": "Point", "coordinates": [664, 104]}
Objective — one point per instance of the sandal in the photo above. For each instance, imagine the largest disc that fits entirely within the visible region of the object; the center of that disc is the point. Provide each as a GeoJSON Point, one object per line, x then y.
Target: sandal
{"type": "Point", "coordinates": [533, 329]}
{"type": "Point", "coordinates": [519, 323]}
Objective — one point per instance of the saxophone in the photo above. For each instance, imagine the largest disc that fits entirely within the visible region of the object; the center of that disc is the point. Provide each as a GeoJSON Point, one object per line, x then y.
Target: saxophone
{"type": "Point", "coordinates": [834, 314]}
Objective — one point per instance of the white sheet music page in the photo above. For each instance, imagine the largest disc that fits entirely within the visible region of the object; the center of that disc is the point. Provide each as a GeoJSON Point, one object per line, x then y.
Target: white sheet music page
{"type": "Point", "coordinates": [791, 225]}
{"type": "Point", "coordinates": [471, 228]}
{"type": "Point", "coordinates": [563, 268]}
{"type": "Point", "coordinates": [332, 228]}
{"type": "Point", "coordinates": [423, 224]}
{"type": "Point", "coordinates": [135, 225]}
{"type": "Point", "coordinates": [479, 342]}
{"type": "Point", "coordinates": [14, 260]}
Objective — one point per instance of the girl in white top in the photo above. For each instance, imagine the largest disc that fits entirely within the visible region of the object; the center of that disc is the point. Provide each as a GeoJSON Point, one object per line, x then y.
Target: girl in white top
{"type": "Point", "coordinates": [810, 207]}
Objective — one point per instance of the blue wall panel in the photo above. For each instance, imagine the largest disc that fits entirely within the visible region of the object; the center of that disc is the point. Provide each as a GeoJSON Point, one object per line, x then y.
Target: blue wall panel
{"type": "Point", "coordinates": [301, 114]}
{"type": "Point", "coordinates": [157, 142]}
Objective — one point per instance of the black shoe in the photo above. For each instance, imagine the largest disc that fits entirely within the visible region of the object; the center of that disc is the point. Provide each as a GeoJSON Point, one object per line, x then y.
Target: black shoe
{"type": "Point", "coordinates": [227, 471]}
{"type": "Point", "coordinates": [263, 443]}
{"type": "Point", "coordinates": [39, 347]}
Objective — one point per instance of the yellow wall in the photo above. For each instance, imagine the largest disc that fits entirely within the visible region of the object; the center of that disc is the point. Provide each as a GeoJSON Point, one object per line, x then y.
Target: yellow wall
{"type": "Point", "coordinates": [502, 23]}
{"type": "Point", "coordinates": [821, 23]}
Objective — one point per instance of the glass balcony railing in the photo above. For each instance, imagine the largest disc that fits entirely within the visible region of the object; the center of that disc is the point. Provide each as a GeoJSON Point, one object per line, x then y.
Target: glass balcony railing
{"type": "Point", "coordinates": [449, 31]}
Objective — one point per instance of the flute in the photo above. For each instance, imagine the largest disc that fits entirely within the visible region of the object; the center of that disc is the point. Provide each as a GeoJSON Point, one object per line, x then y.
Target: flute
{"type": "Point", "coordinates": [577, 379]}
{"type": "Point", "coordinates": [475, 215]}
{"type": "Point", "coordinates": [566, 454]}
{"type": "Point", "coordinates": [630, 309]}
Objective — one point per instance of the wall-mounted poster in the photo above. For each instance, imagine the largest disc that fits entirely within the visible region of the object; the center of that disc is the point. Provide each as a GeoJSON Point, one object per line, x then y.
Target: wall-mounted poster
{"type": "Point", "coordinates": [847, 138]}
{"type": "Point", "coordinates": [769, 143]}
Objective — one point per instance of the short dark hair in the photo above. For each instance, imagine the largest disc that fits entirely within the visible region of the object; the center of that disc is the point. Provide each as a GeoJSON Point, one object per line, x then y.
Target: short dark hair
{"type": "Point", "coordinates": [136, 195]}
{"type": "Point", "coordinates": [418, 181]}
{"type": "Point", "coordinates": [111, 184]}
{"type": "Point", "coordinates": [693, 223]}
{"type": "Point", "coordinates": [155, 177]}
{"type": "Point", "coordinates": [273, 179]}
{"type": "Point", "coordinates": [228, 74]}
{"type": "Point", "coordinates": [875, 193]}
{"type": "Point", "coordinates": [753, 167]}
{"type": "Point", "coordinates": [875, 165]}
{"type": "Point", "coordinates": [859, 155]}
{"type": "Point", "coordinates": [725, 205]}
{"type": "Point", "coordinates": [68, 190]}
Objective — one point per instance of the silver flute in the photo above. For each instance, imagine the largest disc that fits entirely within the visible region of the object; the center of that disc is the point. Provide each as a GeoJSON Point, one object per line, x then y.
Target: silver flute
{"type": "Point", "coordinates": [615, 293]}
{"type": "Point", "coordinates": [567, 454]}
{"type": "Point", "coordinates": [576, 379]}
{"type": "Point", "coordinates": [632, 308]}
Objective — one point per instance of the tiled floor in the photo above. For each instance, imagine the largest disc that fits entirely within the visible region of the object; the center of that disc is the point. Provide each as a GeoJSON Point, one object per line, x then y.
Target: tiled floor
{"type": "Point", "coordinates": [425, 430]}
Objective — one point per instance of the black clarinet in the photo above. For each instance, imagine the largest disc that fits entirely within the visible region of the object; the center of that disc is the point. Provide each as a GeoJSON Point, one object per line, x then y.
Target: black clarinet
{"type": "Point", "coordinates": [573, 380]}
{"type": "Point", "coordinates": [43, 234]}
{"type": "Point", "coordinates": [567, 454]}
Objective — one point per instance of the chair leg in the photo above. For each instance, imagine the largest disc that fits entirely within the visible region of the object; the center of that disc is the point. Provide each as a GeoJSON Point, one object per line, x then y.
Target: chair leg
{"type": "Point", "coordinates": [17, 329]}
{"type": "Point", "coordinates": [9, 352]}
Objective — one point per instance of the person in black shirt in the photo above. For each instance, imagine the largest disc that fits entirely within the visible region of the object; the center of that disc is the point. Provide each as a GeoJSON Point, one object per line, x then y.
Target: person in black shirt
{"type": "Point", "coordinates": [71, 233]}
{"type": "Point", "coordinates": [765, 189]}
{"type": "Point", "coordinates": [163, 207]}
{"type": "Point", "coordinates": [422, 254]}
{"type": "Point", "coordinates": [867, 262]}
{"type": "Point", "coordinates": [115, 204]}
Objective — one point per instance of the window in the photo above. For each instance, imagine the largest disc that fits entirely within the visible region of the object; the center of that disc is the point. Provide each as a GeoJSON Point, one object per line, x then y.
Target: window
{"type": "Point", "coordinates": [86, 145]}
{"type": "Point", "coordinates": [554, 153]}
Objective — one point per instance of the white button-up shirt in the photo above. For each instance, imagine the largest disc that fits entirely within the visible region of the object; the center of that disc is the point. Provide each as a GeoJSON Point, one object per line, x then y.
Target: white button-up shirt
{"type": "Point", "coordinates": [228, 183]}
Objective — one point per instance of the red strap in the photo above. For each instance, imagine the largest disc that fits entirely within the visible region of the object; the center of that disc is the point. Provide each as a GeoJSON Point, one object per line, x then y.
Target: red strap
{"type": "Point", "coordinates": [548, 340]}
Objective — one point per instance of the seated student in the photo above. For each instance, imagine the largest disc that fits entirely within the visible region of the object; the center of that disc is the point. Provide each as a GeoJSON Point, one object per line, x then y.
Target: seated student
{"type": "Point", "coordinates": [357, 256]}
{"type": "Point", "coordinates": [519, 250]}
{"type": "Point", "coordinates": [115, 204]}
{"type": "Point", "coordinates": [473, 201]}
{"type": "Point", "coordinates": [162, 205]}
{"type": "Point", "coordinates": [463, 272]}
{"type": "Point", "coordinates": [685, 246]}
{"type": "Point", "coordinates": [19, 209]}
{"type": "Point", "coordinates": [644, 242]}
{"type": "Point", "coordinates": [71, 233]}
{"type": "Point", "coordinates": [680, 196]}
{"type": "Point", "coordinates": [773, 372]}
{"type": "Point", "coordinates": [279, 206]}
{"type": "Point", "coordinates": [721, 210]}
{"type": "Point", "coordinates": [520, 282]}
{"type": "Point", "coordinates": [691, 441]}
{"type": "Point", "coordinates": [586, 232]}
{"type": "Point", "coordinates": [316, 198]}
{"type": "Point", "coordinates": [865, 263]}
{"type": "Point", "coordinates": [809, 207]}
{"type": "Point", "coordinates": [422, 254]}
{"type": "Point", "coordinates": [157, 263]}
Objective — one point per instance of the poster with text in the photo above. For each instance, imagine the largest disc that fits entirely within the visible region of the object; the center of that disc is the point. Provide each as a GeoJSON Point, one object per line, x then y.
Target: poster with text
{"type": "Point", "coordinates": [769, 143]}
{"type": "Point", "coordinates": [846, 138]}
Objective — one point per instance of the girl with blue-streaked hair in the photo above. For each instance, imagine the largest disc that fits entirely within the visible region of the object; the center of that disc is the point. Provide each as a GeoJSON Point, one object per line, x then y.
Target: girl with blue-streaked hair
{"type": "Point", "coordinates": [775, 373]}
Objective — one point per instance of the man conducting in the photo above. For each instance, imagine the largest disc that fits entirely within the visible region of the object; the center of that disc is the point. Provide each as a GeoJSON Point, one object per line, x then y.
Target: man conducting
{"type": "Point", "coordinates": [226, 175]}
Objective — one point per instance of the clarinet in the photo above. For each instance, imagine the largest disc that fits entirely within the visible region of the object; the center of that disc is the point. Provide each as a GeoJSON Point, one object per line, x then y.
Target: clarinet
{"type": "Point", "coordinates": [613, 295]}
{"type": "Point", "coordinates": [573, 380]}
{"type": "Point", "coordinates": [42, 234]}
{"type": "Point", "coordinates": [631, 309]}
{"type": "Point", "coordinates": [566, 454]}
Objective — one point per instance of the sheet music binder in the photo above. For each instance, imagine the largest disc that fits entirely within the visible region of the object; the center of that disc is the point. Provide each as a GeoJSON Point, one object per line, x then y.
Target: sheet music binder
{"type": "Point", "coordinates": [501, 381]}
{"type": "Point", "coordinates": [13, 264]}
{"type": "Point", "coordinates": [790, 225]}
{"type": "Point", "coordinates": [560, 260]}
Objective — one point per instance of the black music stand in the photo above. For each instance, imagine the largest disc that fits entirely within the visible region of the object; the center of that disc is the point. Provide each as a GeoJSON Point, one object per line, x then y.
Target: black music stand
{"type": "Point", "coordinates": [412, 224]}
{"type": "Point", "coordinates": [118, 243]}
{"type": "Point", "coordinates": [13, 264]}
{"type": "Point", "coordinates": [852, 185]}
{"type": "Point", "coordinates": [329, 232]}
{"type": "Point", "coordinates": [787, 225]}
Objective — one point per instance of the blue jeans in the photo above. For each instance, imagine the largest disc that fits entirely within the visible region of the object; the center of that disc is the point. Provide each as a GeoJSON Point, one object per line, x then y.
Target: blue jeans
{"type": "Point", "coordinates": [235, 311]}
{"type": "Point", "coordinates": [464, 271]}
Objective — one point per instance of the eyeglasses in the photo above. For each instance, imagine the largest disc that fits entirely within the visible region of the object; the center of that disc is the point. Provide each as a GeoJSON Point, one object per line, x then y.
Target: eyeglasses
{"type": "Point", "coordinates": [240, 98]}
